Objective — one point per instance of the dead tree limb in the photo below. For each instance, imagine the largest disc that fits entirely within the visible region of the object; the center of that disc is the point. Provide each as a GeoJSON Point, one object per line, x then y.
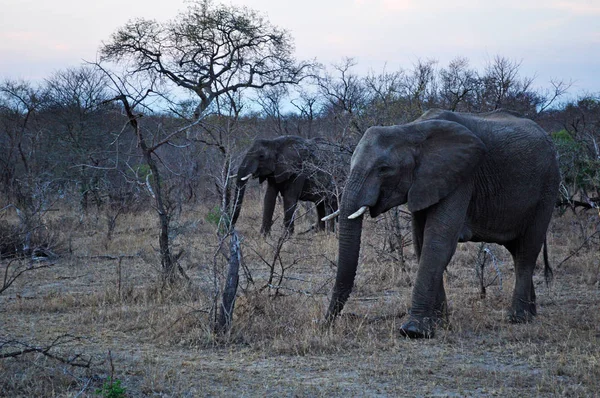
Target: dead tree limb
{"type": "Point", "coordinates": [15, 348]}
{"type": "Point", "coordinates": [231, 285]}
{"type": "Point", "coordinates": [10, 277]}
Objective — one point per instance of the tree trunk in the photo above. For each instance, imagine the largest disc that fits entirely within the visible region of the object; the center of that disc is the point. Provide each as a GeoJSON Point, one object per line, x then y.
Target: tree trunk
{"type": "Point", "coordinates": [224, 320]}
{"type": "Point", "coordinates": [154, 185]}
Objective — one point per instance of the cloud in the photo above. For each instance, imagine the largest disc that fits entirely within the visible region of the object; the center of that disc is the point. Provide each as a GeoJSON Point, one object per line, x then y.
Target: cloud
{"type": "Point", "coordinates": [31, 42]}
{"type": "Point", "coordinates": [398, 5]}
{"type": "Point", "coordinates": [386, 5]}
{"type": "Point", "coordinates": [335, 39]}
{"type": "Point", "coordinates": [18, 40]}
{"type": "Point", "coordinates": [578, 7]}
{"type": "Point", "coordinates": [62, 47]}
{"type": "Point", "coordinates": [22, 36]}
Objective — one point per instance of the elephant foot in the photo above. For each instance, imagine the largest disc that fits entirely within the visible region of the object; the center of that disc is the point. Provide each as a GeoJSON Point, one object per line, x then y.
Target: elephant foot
{"type": "Point", "coordinates": [423, 328]}
{"type": "Point", "coordinates": [523, 313]}
{"type": "Point", "coordinates": [520, 317]}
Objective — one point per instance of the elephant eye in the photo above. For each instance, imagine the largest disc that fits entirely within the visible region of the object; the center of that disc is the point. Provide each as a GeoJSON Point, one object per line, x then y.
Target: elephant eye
{"type": "Point", "coordinates": [385, 169]}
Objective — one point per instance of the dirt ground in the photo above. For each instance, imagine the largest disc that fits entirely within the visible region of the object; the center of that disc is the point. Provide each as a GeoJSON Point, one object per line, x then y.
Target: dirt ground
{"type": "Point", "coordinates": [105, 297]}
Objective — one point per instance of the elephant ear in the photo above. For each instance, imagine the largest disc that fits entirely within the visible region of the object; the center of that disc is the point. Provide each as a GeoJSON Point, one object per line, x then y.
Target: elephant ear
{"type": "Point", "coordinates": [288, 162]}
{"type": "Point", "coordinates": [448, 157]}
{"type": "Point", "coordinates": [283, 170]}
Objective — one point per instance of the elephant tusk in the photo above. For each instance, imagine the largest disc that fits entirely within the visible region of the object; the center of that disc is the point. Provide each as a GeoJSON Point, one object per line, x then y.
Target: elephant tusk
{"type": "Point", "coordinates": [233, 176]}
{"type": "Point", "coordinates": [331, 216]}
{"type": "Point", "coordinates": [359, 213]}
{"type": "Point", "coordinates": [247, 177]}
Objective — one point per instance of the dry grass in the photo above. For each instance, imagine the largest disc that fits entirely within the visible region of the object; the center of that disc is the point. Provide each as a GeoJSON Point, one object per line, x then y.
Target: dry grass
{"type": "Point", "coordinates": [161, 340]}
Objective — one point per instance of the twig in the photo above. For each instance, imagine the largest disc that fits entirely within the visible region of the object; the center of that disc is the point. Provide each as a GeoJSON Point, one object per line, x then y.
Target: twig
{"type": "Point", "coordinates": [278, 287]}
{"type": "Point", "coordinates": [8, 280]}
{"type": "Point", "coordinates": [110, 257]}
{"type": "Point", "coordinates": [574, 252]}
{"type": "Point", "coordinates": [76, 360]}
{"type": "Point", "coordinates": [194, 312]}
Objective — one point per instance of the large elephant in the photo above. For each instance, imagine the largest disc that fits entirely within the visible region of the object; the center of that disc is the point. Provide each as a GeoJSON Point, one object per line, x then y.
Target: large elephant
{"type": "Point", "coordinates": [490, 177]}
{"type": "Point", "coordinates": [293, 167]}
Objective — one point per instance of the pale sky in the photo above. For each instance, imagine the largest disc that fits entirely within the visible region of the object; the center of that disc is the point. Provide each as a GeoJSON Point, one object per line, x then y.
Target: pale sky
{"type": "Point", "coordinates": [552, 38]}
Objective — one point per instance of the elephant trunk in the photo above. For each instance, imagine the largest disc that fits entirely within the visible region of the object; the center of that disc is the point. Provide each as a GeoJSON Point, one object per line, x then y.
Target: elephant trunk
{"type": "Point", "coordinates": [349, 248]}
{"type": "Point", "coordinates": [244, 173]}
{"type": "Point", "coordinates": [238, 198]}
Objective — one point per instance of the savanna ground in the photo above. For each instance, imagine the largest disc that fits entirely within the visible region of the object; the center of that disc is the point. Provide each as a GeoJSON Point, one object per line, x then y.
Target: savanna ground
{"type": "Point", "coordinates": [158, 340]}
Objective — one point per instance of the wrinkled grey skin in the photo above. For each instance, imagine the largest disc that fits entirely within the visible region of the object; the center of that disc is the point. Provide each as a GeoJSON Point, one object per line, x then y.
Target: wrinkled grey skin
{"type": "Point", "coordinates": [491, 177]}
{"type": "Point", "coordinates": [292, 168]}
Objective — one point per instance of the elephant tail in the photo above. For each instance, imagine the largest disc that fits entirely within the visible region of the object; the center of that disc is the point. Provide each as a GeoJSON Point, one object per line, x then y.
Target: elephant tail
{"type": "Point", "coordinates": [548, 274]}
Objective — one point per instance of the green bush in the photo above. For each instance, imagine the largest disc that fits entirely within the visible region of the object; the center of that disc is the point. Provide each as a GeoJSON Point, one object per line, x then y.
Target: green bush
{"type": "Point", "coordinates": [111, 389]}
{"type": "Point", "coordinates": [579, 167]}
{"type": "Point", "coordinates": [214, 217]}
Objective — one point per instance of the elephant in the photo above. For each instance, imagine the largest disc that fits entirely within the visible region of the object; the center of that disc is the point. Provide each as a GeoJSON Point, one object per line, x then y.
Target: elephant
{"type": "Point", "coordinates": [294, 167]}
{"type": "Point", "coordinates": [490, 177]}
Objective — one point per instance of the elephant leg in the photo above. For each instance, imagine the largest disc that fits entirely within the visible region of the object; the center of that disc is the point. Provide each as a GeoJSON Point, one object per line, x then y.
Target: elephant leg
{"type": "Point", "coordinates": [523, 308]}
{"type": "Point", "coordinates": [290, 203]}
{"type": "Point", "coordinates": [268, 209]}
{"type": "Point", "coordinates": [465, 234]}
{"type": "Point", "coordinates": [435, 231]}
{"type": "Point", "coordinates": [429, 306]}
{"type": "Point", "coordinates": [330, 208]}
{"type": "Point", "coordinates": [320, 214]}
{"type": "Point", "coordinates": [525, 251]}
{"type": "Point", "coordinates": [418, 230]}
{"type": "Point", "coordinates": [330, 225]}
{"type": "Point", "coordinates": [440, 308]}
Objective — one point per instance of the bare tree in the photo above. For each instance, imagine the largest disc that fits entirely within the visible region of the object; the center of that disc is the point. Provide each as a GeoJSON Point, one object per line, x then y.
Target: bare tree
{"type": "Point", "coordinates": [20, 101]}
{"type": "Point", "coordinates": [458, 84]}
{"type": "Point", "coordinates": [344, 97]}
{"type": "Point", "coordinates": [385, 92]}
{"type": "Point", "coordinates": [504, 88]}
{"type": "Point", "coordinates": [307, 104]}
{"type": "Point", "coordinates": [421, 87]}
{"type": "Point", "coordinates": [27, 169]}
{"type": "Point", "coordinates": [133, 96]}
{"type": "Point", "coordinates": [209, 49]}
{"type": "Point", "coordinates": [76, 100]}
{"type": "Point", "coordinates": [548, 97]}
{"type": "Point", "coordinates": [270, 100]}
{"type": "Point", "coordinates": [212, 50]}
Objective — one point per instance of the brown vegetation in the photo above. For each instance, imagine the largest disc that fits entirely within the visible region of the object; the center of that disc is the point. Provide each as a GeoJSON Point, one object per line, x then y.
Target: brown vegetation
{"type": "Point", "coordinates": [161, 342]}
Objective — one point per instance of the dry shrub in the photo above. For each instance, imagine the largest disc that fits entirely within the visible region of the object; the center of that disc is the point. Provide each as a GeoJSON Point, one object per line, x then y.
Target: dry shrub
{"type": "Point", "coordinates": [41, 241]}
{"type": "Point", "coordinates": [162, 336]}
{"type": "Point", "coordinates": [11, 241]}
{"type": "Point", "coordinates": [32, 376]}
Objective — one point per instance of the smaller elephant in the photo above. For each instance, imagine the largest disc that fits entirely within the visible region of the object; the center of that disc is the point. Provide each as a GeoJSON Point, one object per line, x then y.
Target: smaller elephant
{"type": "Point", "coordinates": [293, 167]}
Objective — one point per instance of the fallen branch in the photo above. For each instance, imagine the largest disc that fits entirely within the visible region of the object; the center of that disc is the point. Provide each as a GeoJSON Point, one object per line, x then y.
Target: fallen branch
{"type": "Point", "coordinates": [110, 257]}
{"type": "Point", "coordinates": [592, 204]}
{"type": "Point", "coordinates": [574, 252]}
{"type": "Point", "coordinates": [21, 348]}
{"type": "Point", "coordinates": [9, 278]}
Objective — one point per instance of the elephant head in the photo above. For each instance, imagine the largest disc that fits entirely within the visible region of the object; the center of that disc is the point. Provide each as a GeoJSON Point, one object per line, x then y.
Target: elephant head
{"type": "Point", "coordinates": [418, 163]}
